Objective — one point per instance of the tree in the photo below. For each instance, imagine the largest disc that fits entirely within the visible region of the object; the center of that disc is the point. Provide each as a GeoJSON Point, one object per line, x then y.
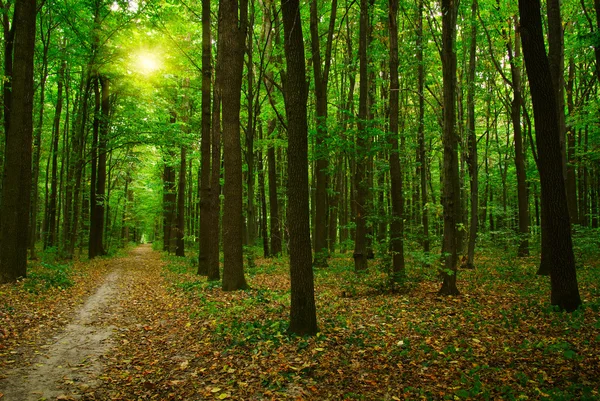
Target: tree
{"type": "Point", "coordinates": [556, 225]}
{"type": "Point", "coordinates": [16, 191]}
{"type": "Point", "coordinates": [360, 181]}
{"type": "Point", "coordinates": [523, 201]}
{"type": "Point", "coordinates": [205, 185]}
{"type": "Point", "coordinates": [472, 140]}
{"type": "Point", "coordinates": [232, 36]}
{"type": "Point", "coordinates": [397, 226]}
{"type": "Point", "coordinates": [321, 78]}
{"type": "Point", "coordinates": [303, 316]}
{"type": "Point", "coordinates": [451, 187]}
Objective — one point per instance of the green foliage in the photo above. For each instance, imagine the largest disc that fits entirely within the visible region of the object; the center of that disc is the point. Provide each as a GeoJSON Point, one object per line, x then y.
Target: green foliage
{"type": "Point", "coordinates": [50, 273]}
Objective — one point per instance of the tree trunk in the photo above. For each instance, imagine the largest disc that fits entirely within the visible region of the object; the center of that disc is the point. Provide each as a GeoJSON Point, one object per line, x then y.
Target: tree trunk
{"type": "Point", "coordinates": [101, 201]}
{"type": "Point", "coordinates": [16, 193]}
{"type": "Point", "coordinates": [555, 224]}
{"type": "Point", "coordinates": [451, 189]}
{"type": "Point", "coordinates": [263, 201]}
{"type": "Point", "coordinates": [205, 184]}
{"type": "Point", "coordinates": [321, 79]}
{"type": "Point", "coordinates": [303, 317]}
{"type": "Point", "coordinates": [472, 140]}
{"type": "Point", "coordinates": [422, 155]}
{"type": "Point", "coordinates": [180, 230]}
{"type": "Point", "coordinates": [571, 181]}
{"type": "Point", "coordinates": [232, 35]}
{"type": "Point", "coordinates": [37, 147]}
{"type": "Point", "coordinates": [397, 225]}
{"type": "Point", "coordinates": [360, 178]}
{"type": "Point", "coordinates": [523, 201]}
{"type": "Point", "coordinates": [51, 234]}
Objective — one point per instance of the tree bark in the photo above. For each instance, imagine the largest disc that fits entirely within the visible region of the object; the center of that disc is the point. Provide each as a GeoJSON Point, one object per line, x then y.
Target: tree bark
{"type": "Point", "coordinates": [303, 317]}
{"type": "Point", "coordinates": [472, 141]}
{"type": "Point", "coordinates": [180, 230]}
{"type": "Point", "coordinates": [451, 188]}
{"type": "Point", "coordinates": [232, 35]}
{"type": "Point", "coordinates": [360, 178]}
{"type": "Point", "coordinates": [321, 79]}
{"type": "Point", "coordinates": [523, 201]}
{"type": "Point", "coordinates": [16, 193]}
{"type": "Point", "coordinates": [51, 234]}
{"type": "Point", "coordinates": [205, 231]}
{"type": "Point", "coordinates": [422, 155]}
{"type": "Point", "coordinates": [555, 224]}
{"type": "Point", "coordinates": [397, 225]}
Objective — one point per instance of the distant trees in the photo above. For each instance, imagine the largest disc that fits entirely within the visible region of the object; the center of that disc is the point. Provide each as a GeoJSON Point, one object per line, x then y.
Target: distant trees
{"type": "Point", "coordinates": [410, 139]}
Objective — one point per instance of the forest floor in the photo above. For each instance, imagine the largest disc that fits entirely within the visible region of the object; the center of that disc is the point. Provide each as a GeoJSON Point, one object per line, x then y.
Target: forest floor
{"type": "Point", "coordinates": [143, 326]}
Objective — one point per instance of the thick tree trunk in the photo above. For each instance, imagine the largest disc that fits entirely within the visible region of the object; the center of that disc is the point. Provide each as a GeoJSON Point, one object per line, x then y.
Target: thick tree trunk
{"type": "Point", "coordinates": [205, 231]}
{"type": "Point", "coordinates": [232, 35]}
{"type": "Point", "coordinates": [303, 317]}
{"type": "Point", "coordinates": [556, 226]}
{"type": "Point", "coordinates": [451, 189]}
{"type": "Point", "coordinates": [16, 193]}
{"type": "Point", "coordinates": [360, 176]}
{"type": "Point", "coordinates": [397, 225]}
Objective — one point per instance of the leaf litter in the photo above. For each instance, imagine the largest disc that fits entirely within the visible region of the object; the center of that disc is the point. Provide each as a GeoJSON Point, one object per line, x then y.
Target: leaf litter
{"type": "Point", "coordinates": [177, 337]}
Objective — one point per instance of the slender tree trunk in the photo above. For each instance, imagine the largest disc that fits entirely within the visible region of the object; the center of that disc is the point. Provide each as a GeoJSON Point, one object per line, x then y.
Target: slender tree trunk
{"type": "Point", "coordinates": [100, 203]}
{"type": "Point", "coordinates": [206, 231]}
{"type": "Point", "coordinates": [93, 231]}
{"type": "Point", "coordinates": [16, 192]}
{"type": "Point", "coordinates": [555, 224]}
{"type": "Point", "coordinates": [597, 47]}
{"type": "Point", "coordinates": [523, 201]}
{"type": "Point", "coordinates": [232, 35]}
{"type": "Point", "coordinates": [180, 230]}
{"type": "Point", "coordinates": [250, 134]}
{"type": "Point", "coordinates": [451, 189]}
{"type": "Point", "coordinates": [472, 140]}
{"type": "Point", "coordinates": [51, 235]}
{"type": "Point", "coordinates": [397, 226]}
{"type": "Point", "coordinates": [303, 317]}
{"type": "Point", "coordinates": [422, 155]}
{"type": "Point", "coordinates": [263, 200]}
{"type": "Point", "coordinates": [37, 148]}
{"type": "Point", "coordinates": [360, 176]}
{"type": "Point", "coordinates": [571, 181]}
{"type": "Point", "coordinates": [321, 79]}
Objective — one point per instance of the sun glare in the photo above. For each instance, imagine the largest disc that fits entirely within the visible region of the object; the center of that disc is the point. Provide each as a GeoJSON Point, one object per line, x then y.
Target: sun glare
{"type": "Point", "coordinates": [147, 63]}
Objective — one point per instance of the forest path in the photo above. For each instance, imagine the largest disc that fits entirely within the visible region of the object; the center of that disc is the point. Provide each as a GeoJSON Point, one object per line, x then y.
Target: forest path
{"type": "Point", "coordinates": [69, 365]}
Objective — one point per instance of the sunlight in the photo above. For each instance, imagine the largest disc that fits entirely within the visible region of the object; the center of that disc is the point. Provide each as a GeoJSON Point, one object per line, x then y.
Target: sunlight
{"type": "Point", "coordinates": [147, 63]}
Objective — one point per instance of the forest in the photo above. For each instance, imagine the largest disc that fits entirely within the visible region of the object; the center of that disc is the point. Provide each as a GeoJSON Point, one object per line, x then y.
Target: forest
{"type": "Point", "coordinates": [345, 199]}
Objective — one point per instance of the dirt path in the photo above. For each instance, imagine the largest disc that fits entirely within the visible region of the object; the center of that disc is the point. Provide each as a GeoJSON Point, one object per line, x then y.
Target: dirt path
{"type": "Point", "coordinates": [68, 366]}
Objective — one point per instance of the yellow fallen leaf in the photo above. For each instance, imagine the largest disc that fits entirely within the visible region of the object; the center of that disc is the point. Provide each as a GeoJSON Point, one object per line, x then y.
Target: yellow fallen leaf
{"type": "Point", "coordinates": [215, 389]}
{"type": "Point", "coordinates": [224, 395]}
